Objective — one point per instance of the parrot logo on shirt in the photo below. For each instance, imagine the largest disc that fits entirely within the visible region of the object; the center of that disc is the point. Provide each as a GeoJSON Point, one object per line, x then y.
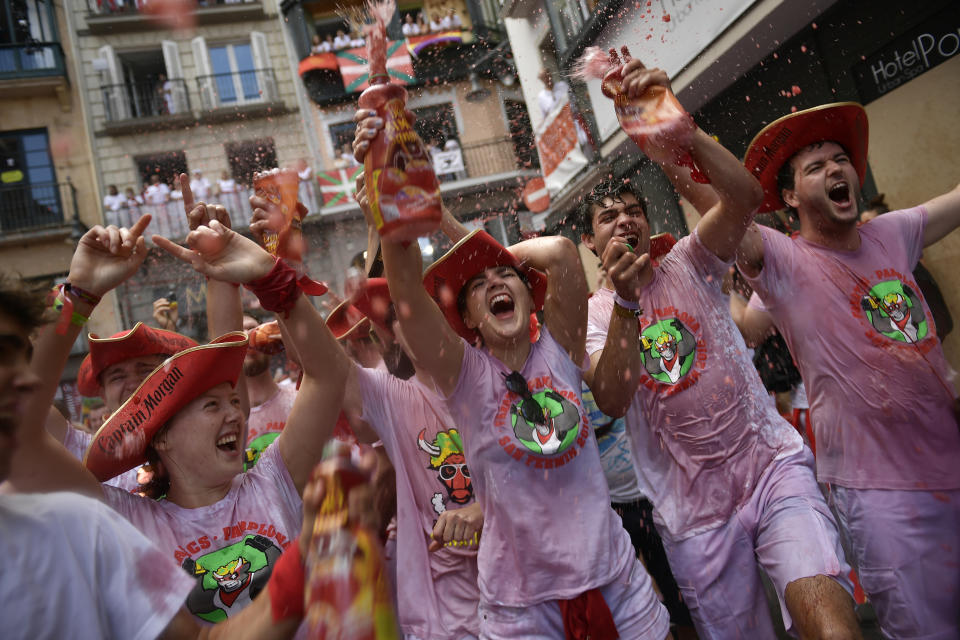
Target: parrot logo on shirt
{"type": "Point", "coordinates": [668, 350]}
{"type": "Point", "coordinates": [895, 311]}
{"type": "Point", "coordinates": [229, 578]}
{"type": "Point", "coordinates": [446, 457]}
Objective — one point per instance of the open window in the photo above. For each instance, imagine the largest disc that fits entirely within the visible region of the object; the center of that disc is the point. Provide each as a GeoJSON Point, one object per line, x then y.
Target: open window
{"type": "Point", "coordinates": [234, 73]}
{"type": "Point", "coordinates": [143, 84]}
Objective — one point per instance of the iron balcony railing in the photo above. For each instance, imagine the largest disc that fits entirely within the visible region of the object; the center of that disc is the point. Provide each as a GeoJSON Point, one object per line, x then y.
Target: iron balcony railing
{"type": "Point", "coordinates": [236, 89]}
{"type": "Point", "coordinates": [145, 99]}
{"type": "Point", "coordinates": [113, 7]}
{"type": "Point", "coordinates": [32, 207]}
{"type": "Point", "coordinates": [31, 60]}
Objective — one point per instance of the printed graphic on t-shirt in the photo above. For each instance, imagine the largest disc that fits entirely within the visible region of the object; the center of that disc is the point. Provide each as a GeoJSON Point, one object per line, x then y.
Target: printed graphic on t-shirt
{"type": "Point", "coordinates": [446, 458]}
{"type": "Point", "coordinates": [256, 447]}
{"type": "Point", "coordinates": [669, 350]}
{"type": "Point", "coordinates": [895, 310]}
{"type": "Point", "coordinates": [547, 422]}
{"type": "Point", "coordinates": [230, 577]}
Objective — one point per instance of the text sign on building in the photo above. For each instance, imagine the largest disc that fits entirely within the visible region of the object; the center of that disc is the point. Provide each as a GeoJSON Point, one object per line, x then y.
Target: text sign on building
{"type": "Point", "coordinates": [930, 43]}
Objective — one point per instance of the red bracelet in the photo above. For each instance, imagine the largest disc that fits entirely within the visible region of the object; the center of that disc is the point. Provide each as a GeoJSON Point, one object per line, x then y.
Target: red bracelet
{"type": "Point", "coordinates": [278, 290]}
{"type": "Point", "coordinates": [286, 584]}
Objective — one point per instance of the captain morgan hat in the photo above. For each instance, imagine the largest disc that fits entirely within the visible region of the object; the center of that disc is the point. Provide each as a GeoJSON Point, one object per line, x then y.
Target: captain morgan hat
{"type": "Point", "coordinates": [135, 343]}
{"type": "Point", "coordinates": [474, 253]}
{"type": "Point", "coordinates": [843, 122]}
{"type": "Point", "coordinates": [346, 322]}
{"type": "Point", "coordinates": [121, 443]}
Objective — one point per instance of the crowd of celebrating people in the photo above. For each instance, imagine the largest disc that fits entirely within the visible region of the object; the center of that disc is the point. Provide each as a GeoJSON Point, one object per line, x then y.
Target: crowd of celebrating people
{"type": "Point", "coordinates": [547, 463]}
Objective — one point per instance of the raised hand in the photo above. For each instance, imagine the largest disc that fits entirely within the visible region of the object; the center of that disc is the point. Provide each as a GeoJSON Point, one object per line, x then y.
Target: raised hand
{"type": "Point", "coordinates": [267, 215]}
{"type": "Point", "coordinates": [165, 313]}
{"type": "Point", "coordinates": [660, 147]}
{"type": "Point", "coordinates": [108, 256]}
{"type": "Point", "coordinates": [200, 213]}
{"type": "Point", "coordinates": [220, 253]}
{"type": "Point", "coordinates": [627, 271]}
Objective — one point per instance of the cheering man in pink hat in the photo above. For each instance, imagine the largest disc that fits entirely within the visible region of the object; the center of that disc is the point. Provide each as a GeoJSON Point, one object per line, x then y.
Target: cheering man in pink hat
{"type": "Point", "coordinates": [881, 395]}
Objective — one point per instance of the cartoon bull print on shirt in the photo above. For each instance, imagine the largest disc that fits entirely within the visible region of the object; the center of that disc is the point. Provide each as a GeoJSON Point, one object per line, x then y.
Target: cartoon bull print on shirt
{"type": "Point", "coordinates": [668, 350]}
{"type": "Point", "coordinates": [446, 457]}
{"type": "Point", "coordinates": [895, 311]}
{"type": "Point", "coordinates": [230, 577]}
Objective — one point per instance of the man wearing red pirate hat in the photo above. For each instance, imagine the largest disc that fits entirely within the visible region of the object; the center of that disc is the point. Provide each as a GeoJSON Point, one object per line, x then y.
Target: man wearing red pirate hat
{"type": "Point", "coordinates": [882, 401]}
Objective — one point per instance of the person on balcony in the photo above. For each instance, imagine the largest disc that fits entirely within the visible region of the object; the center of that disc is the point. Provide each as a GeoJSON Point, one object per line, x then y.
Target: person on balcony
{"type": "Point", "coordinates": [342, 41]}
{"type": "Point", "coordinates": [226, 183]}
{"type": "Point", "coordinates": [157, 193]}
{"type": "Point", "coordinates": [165, 88]}
{"type": "Point", "coordinates": [322, 47]}
{"type": "Point", "coordinates": [113, 201]}
{"type": "Point", "coordinates": [200, 186]}
{"type": "Point", "coordinates": [454, 18]}
{"type": "Point", "coordinates": [436, 23]}
{"type": "Point", "coordinates": [410, 27]}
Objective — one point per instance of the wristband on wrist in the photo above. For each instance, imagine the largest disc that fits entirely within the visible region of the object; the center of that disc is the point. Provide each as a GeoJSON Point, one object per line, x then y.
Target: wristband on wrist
{"type": "Point", "coordinates": [80, 294]}
{"type": "Point", "coordinates": [286, 584]}
{"type": "Point", "coordinates": [626, 304]}
{"type": "Point", "coordinates": [66, 316]}
{"type": "Point", "coordinates": [278, 290]}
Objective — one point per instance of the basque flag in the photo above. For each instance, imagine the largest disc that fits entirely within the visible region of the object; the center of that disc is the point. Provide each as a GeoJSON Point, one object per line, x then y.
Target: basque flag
{"type": "Point", "coordinates": [338, 186]}
{"type": "Point", "coordinates": [355, 69]}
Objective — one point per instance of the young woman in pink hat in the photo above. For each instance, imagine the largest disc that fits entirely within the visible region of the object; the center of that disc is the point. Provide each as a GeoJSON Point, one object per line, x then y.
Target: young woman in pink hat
{"type": "Point", "coordinates": [554, 559]}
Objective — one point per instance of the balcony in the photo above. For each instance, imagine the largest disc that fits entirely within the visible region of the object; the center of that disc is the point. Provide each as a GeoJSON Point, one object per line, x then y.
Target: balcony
{"type": "Point", "coordinates": [31, 69]}
{"type": "Point", "coordinates": [224, 96]}
{"type": "Point", "coordinates": [105, 17]}
{"type": "Point", "coordinates": [36, 209]}
{"type": "Point", "coordinates": [145, 106]}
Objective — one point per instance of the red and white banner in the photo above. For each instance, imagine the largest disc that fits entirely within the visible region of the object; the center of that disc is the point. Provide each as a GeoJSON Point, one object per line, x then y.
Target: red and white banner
{"type": "Point", "coordinates": [560, 154]}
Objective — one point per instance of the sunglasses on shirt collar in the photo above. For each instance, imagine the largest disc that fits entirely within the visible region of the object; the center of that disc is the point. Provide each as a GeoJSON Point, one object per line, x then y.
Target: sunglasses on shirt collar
{"type": "Point", "coordinates": [530, 409]}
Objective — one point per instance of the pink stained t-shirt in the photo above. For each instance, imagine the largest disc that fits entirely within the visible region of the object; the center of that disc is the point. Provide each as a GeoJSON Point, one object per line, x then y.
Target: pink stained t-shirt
{"type": "Point", "coordinates": [880, 390]}
{"type": "Point", "coordinates": [437, 592]}
{"type": "Point", "coordinates": [712, 428]}
{"type": "Point", "coordinates": [271, 416]}
{"type": "Point", "coordinates": [549, 532]}
{"type": "Point", "coordinates": [241, 536]}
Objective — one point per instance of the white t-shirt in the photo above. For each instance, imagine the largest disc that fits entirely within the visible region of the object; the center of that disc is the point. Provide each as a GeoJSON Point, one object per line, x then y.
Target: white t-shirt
{"type": "Point", "coordinates": [436, 26]}
{"type": "Point", "coordinates": [455, 21]}
{"type": "Point", "coordinates": [253, 523]}
{"type": "Point", "coordinates": [73, 568]}
{"type": "Point", "coordinates": [446, 23]}
{"type": "Point", "coordinates": [341, 42]}
{"type": "Point", "coordinates": [114, 202]}
{"type": "Point", "coordinates": [323, 47]}
{"type": "Point", "coordinates": [548, 98]}
{"type": "Point", "coordinates": [157, 193]}
{"type": "Point", "coordinates": [271, 416]}
{"type": "Point", "coordinates": [200, 188]}
{"type": "Point", "coordinates": [411, 29]}
{"type": "Point", "coordinates": [227, 186]}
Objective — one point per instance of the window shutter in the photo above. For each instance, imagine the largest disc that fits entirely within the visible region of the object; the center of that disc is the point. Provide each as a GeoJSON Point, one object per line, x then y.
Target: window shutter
{"type": "Point", "coordinates": [171, 58]}
{"type": "Point", "coordinates": [205, 80]}
{"type": "Point", "coordinates": [114, 96]}
{"type": "Point", "coordinates": [261, 60]}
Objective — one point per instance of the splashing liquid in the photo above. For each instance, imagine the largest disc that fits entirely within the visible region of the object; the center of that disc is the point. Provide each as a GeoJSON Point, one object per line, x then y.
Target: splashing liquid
{"type": "Point", "coordinates": [398, 170]}
{"type": "Point", "coordinates": [346, 587]}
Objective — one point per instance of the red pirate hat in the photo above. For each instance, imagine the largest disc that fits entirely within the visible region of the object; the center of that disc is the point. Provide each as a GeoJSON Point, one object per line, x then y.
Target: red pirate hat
{"type": "Point", "coordinates": [372, 299]}
{"type": "Point", "coordinates": [346, 322]}
{"type": "Point", "coordinates": [474, 253]}
{"type": "Point", "coordinates": [135, 343]}
{"type": "Point", "coordinates": [843, 122]}
{"type": "Point", "coordinates": [121, 443]}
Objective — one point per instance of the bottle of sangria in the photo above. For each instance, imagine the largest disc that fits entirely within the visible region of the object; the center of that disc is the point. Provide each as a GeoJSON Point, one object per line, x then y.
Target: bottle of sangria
{"type": "Point", "coordinates": [656, 114]}
{"type": "Point", "coordinates": [403, 189]}
{"type": "Point", "coordinates": [347, 595]}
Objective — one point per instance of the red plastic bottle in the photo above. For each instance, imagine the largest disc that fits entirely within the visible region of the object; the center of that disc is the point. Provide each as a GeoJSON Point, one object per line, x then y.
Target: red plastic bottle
{"type": "Point", "coordinates": [403, 189]}
{"type": "Point", "coordinates": [655, 113]}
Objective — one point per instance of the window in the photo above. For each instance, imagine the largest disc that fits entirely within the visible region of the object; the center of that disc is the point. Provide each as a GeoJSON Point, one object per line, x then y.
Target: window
{"type": "Point", "coordinates": [435, 124]}
{"type": "Point", "coordinates": [166, 165]}
{"type": "Point", "coordinates": [26, 22]}
{"type": "Point", "coordinates": [29, 194]}
{"type": "Point", "coordinates": [234, 73]}
{"type": "Point", "coordinates": [246, 158]}
{"type": "Point", "coordinates": [143, 84]}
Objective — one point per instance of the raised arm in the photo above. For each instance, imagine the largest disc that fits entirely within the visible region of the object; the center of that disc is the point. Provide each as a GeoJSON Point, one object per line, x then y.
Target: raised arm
{"type": "Point", "coordinates": [755, 325]}
{"type": "Point", "coordinates": [105, 257]}
{"type": "Point", "coordinates": [565, 307]}
{"type": "Point", "coordinates": [738, 193]}
{"type": "Point", "coordinates": [223, 254]}
{"type": "Point", "coordinates": [616, 370]}
{"type": "Point", "coordinates": [943, 216]}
